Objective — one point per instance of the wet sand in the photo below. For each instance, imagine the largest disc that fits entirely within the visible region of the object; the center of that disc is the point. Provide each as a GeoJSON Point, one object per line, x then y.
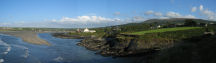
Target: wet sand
{"type": "Point", "coordinates": [27, 36]}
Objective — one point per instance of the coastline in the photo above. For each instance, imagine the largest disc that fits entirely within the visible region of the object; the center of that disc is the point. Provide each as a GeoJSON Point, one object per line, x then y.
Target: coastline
{"type": "Point", "coordinates": [27, 36]}
{"type": "Point", "coordinates": [65, 36]}
{"type": "Point", "coordinates": [101, 45]}
{"type": "Point", "coordinates": [104, 48]}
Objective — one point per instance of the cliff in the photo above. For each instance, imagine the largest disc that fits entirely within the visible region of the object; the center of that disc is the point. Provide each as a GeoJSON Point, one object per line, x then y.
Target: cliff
{"type": "Point", "coordinates": [126, 45]}
{"type": "Point", "coordinates": [123, 46]}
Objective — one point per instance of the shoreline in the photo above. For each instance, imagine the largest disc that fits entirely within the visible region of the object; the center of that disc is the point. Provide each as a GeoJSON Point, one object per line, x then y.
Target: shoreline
{"type": "Point", "coordinates": [65, 36]}
{"type": "Point", "coordinates": [102, 47]}
{"type": "Point", "coordinates": [27, 36]}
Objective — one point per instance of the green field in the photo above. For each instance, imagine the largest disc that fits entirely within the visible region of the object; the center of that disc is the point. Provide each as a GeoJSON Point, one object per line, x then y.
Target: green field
{"type": "Point", "coordinates": [165, 30]}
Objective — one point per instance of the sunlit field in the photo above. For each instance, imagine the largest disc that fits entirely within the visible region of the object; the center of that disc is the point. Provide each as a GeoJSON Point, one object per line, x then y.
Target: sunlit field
{"type": "Point", "coordinates": [165, 30]}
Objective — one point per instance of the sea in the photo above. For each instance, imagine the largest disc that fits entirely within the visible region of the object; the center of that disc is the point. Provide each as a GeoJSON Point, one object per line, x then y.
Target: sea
{"type": "Point", "coordinates": [15, 50]}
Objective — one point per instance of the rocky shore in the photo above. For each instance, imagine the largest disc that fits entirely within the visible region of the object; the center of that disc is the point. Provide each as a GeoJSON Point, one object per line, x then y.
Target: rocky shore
{"type": "Point", "coordinates": [118, 47]}
{"type": "Point", "coordinates": [107, 47]}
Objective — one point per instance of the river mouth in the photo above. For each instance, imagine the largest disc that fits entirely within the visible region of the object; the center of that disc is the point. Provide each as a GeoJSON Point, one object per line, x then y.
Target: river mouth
{"type": "Point", "coordinates": [15, 50]}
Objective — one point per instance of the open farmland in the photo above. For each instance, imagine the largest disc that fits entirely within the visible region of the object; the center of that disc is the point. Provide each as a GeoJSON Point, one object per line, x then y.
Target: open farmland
{"type": "Point", "coordinates": [165, 30]}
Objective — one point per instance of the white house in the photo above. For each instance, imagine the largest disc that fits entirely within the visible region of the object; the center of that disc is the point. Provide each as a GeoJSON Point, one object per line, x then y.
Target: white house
{"type": "Point", "coordinates": [158, 26]}
{"type": "Point", "coordinates": [206, 25]}
{"type": "Point", "coordinates": [87, 30]}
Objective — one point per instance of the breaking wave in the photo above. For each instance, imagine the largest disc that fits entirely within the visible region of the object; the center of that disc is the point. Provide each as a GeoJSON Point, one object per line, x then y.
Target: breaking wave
{"type": "Point", "coordinates": [26, 54]}
{"type": "Point", "coordinates": [58, 59]}
{"type": "Point", "coordinates": [8, 47]}
{"type": "Point", "coordinates": [1, 60]}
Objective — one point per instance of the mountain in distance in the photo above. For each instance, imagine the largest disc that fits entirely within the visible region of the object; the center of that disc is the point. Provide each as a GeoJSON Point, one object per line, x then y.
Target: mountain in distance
{"type": "Point", "coordinates": [173, 21]}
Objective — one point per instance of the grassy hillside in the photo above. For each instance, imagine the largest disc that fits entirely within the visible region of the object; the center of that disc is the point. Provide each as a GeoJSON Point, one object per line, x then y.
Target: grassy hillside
{"type": "Point", "coordinates": [176, 20]}
{"type": "Point", "coordinates": [146, 25]}
{"type": "Point", "coordinates": [145, 37]}
{"type": "Point", "coordinates": [166, 39]}
{"type": "Point", "coordinates": [164, 30]}
{"type": "Point", "coordinates": [200, 49]}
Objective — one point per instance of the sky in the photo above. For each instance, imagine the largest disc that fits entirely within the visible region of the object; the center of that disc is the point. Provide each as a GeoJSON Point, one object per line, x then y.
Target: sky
{"type": "Point", "coordinates": [99, 13]}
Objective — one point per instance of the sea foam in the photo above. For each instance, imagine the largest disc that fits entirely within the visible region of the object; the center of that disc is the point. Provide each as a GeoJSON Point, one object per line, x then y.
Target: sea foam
{"type": "Point", "coordinates": [1, 60]}
{"type": "Point", "coordinates": [26, 54]}
{"type": "Point", "coordinates": [58, 59]}
{"type": "Point", "coordinates": [5, 45]}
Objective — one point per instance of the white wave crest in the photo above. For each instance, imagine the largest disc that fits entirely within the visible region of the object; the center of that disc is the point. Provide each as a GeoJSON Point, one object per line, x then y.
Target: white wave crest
{"type": "Point", "coordinates": [1, 60]}
{"type": "Point", "coordinates": [7, 50]}
{"type": "Point", "coordinates": [6, 45]}
{"type": "Point", "coordinates": [58, 59]}
{"type": "Point", "coordinates": [19, 46]}
{"type": "Point", "coordinates": [26, 54]}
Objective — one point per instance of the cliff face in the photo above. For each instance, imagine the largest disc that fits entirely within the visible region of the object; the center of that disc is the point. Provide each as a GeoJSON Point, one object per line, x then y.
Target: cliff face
{"type": "Point", "coordinates": [107, 46]}
{"type": "Point", "coordinates": [93, 43]}
{"type": "Point", "coordinates": [123, 46]}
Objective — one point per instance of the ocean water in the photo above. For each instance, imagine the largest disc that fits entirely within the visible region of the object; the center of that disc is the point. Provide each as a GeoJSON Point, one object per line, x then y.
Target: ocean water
{"type": "Point", "coordinates": [14, 50]}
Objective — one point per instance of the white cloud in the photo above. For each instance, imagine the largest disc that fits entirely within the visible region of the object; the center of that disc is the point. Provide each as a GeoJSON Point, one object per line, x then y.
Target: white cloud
{"type": "Point", "coordinates": [158, 14]}
{"type": "Point", "coordinates": [193, 9]}
{"type": "Point", "coordinates": [201, 7]}
{"type": "Point", "coordinates": [178, 15]}
{"type": "Point", "coordinates": [149, 12]}
{"type": "Point", "coordinates": [207, 13]}
{"type": "Point", "coordinates": [189, 16]}
{"type": "Point", "coordinates": [92, 21]}
{"type": "Point", "coordinates": [173, 14]}
{"type": "Point", "coordinates": [86, 19]}
{"type": "Point", "coordinates": [77, 22]}
{"type": "Point", "coordinates": [138, 18]}
{"type": "Point", "coordinates": [170, 14]}
{"type": "Point", "coordinates": [117, 19]}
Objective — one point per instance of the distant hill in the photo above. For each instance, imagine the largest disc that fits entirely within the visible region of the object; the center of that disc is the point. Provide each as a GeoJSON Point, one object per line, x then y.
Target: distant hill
{"type": "Point", "coordinates": [171, 20]}
{"type": "Point", "coordinates": [177, 20]}
{"type": "Point", "coordinates": [146, 25]}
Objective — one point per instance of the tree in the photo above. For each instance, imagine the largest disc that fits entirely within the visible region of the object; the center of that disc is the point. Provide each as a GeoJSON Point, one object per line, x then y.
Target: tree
{"type": "Point", "coordinates": [190, 22]}
{"type": "Point", "coordinates": [112, 31]}
{"type": "Point", "coordinates": [202, 24]}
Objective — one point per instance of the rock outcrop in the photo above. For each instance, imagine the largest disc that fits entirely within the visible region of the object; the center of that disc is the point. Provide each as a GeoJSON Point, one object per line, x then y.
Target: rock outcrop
{"type": "Point", "coordinates": [118, 46]}
{"type": "Point", "coordinates": [121, 45]}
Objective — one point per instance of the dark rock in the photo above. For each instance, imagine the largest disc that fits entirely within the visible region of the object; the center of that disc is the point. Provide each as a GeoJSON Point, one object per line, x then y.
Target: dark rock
{"type": "Point", "coordinates": [114, 46]}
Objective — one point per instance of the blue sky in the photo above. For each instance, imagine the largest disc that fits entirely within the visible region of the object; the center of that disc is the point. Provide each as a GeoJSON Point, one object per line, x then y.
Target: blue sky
{"type": "Point", "coordinates": [94, 13]}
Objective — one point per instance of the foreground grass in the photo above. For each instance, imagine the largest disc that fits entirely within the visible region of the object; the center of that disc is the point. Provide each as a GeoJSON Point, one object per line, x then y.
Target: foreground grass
{"type": "Point", "coordinates": [165, 30]}
{"type": "Point", "coordinates": [162, 39]}
{"type": "Point", "coordinates": [199, 49]}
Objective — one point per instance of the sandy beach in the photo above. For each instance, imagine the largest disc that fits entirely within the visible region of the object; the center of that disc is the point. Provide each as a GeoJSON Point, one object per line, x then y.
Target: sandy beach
{"type": "Point", "coordinates": [27, 36]}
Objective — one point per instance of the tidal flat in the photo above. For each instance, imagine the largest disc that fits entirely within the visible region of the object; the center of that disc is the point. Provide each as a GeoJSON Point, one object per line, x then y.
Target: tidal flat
{"type": "Point", "coordinates": [27, 36]}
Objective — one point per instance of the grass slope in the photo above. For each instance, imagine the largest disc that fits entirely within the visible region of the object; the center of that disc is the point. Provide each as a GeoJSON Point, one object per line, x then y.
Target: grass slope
{"type": "Point", "coordinates": [165, 30]}
{"type": "Point", "coordinates": [199, 49]}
